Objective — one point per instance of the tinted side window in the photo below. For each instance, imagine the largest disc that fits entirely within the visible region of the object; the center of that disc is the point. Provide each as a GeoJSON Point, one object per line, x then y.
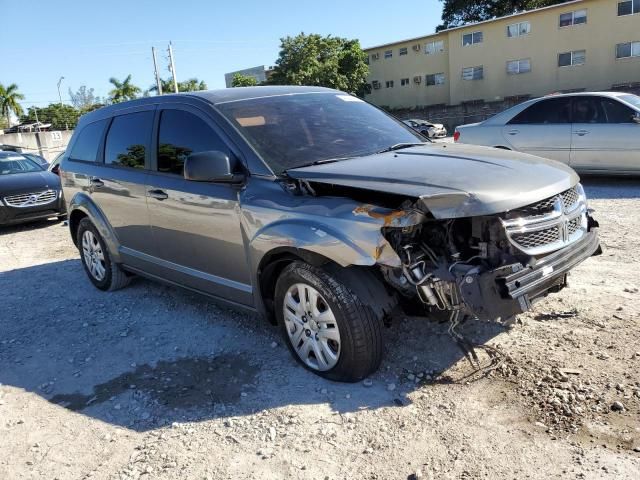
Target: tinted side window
{"type": "Point", "coordinates": [128, 139]}
{"type": "Point", "coordinates": [616, 112]}
{"type": "Point", "coordinates": [88, 142]}
{"type": "Point", "coordinates": [588, 110]}
{"type": "Point", "coordinates": [181, 134]}
{"type": "Point", "coordinates": [557, 110]}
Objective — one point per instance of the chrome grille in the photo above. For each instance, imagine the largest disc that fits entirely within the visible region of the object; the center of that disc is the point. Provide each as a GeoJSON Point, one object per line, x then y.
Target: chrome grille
{"type": "Point", "coordinates": [25, 200]}
{"type": "Point", "coordinates": [550, 224]}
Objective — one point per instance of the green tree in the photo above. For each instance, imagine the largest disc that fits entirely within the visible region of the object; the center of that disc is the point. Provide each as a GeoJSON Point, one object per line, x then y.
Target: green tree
{"type": "Point", "coordinates": [240, 80]}
{"type": "Point", "coordinates": [322, 61]}
{"type": "Point", "coordinates": [123, 91]}
{"type": "Point", "coordinates": [60, 116]}
{"type": "Point", "coordinates": [83, 98]}
{"type": "Point", "coordinates": [190, 85]}
{"type": "Point", "coordinates": [9, 97]}
{"type": "Point", "coordinates": [461, 12]}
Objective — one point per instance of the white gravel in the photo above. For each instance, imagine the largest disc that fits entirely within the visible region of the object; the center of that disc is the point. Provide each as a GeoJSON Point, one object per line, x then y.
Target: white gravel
{"type": "Point", "coordinates": [154, 382]}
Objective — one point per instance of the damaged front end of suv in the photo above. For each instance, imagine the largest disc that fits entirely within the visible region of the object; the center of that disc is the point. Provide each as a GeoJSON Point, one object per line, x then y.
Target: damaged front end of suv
{"type": "Point", "coordinates": [488, 267]}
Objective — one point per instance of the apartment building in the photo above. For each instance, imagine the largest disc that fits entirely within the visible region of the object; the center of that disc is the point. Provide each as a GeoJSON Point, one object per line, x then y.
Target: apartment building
{"type": "Point", "coordinates": [574, 46]}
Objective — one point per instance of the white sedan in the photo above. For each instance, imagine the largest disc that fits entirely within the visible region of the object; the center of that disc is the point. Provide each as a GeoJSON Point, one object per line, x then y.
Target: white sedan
{"type": "Point", "coordinates": [594, 133]}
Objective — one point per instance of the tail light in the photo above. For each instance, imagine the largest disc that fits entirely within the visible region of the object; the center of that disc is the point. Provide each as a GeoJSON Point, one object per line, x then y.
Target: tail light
{"type": "Point", "coordinates": [456, 136]}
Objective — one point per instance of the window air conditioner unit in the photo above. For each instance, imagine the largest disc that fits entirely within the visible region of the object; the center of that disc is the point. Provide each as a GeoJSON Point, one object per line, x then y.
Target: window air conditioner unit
{"type": "Point", "coordinates": [416, 47]}
{"type": "Point", "coordinates": [417, 79]}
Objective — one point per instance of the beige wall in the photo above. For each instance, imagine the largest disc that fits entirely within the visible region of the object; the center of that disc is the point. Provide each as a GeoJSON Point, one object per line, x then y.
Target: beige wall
{"type": "Point", "coordinates": [599, 36]}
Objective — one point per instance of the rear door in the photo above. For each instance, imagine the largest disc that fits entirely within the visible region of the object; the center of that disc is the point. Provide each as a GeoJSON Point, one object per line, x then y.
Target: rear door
{"type": "Point", "coordinates": [542, 129]}
{"type": "Point", "coordinates": [604, 135]}
{"type": "Point", "coordinates": [195, 225]}
{"type": "Point", "coordinates": [118, 186]}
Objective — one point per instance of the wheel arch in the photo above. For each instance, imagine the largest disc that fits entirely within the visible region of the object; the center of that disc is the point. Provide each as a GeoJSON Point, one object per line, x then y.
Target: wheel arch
{"type": "Point", "coordinates": [81, 206]}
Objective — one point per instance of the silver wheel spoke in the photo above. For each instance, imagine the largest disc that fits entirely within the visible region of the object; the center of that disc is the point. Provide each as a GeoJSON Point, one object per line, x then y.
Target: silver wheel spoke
{"type": "Point", "coordinates": [307, 312]}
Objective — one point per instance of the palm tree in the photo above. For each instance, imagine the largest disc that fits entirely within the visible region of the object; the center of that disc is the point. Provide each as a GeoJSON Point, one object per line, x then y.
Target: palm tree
{"type": "Point", "coordinates": [191, 85]}
{"type": "Point", "coordinates": [9, 97]}
{"type": "Point", "coordinates": [124, 90]}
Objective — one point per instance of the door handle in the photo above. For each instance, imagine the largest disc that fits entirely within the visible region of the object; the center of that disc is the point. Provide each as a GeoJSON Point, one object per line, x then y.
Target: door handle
{"type": "Point", "coordinates": [158, 194]}
{"type": "Point", "coordinates": [582, 133]}
{"type": "Point", "coordinates": [513, 132]}
{"type": "Point", "coordinates": [96, 182]}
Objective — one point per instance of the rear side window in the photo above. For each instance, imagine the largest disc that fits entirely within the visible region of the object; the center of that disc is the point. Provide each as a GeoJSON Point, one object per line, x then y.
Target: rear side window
{"type": "Point", "coordinates": [88, 142]}
{"type": "Point", "coordinates": [181, 134]}
{"type": "Point", "coordinates": [553, 111]}
{"type": "Point", "coordinates": [128, 139]}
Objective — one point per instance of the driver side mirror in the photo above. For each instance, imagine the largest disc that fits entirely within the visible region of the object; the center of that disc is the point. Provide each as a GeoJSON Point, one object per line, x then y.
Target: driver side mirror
{"type": "Point", "coordinates": [636, 118]}
{"type": "Point", "coordinates": [212, 166]}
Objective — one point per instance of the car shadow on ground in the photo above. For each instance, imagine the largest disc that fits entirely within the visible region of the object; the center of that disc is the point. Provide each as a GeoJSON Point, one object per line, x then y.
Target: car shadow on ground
{"type": "Point", "coordinates": [150, 355]}
{"type": "Point", "coordinates": [611, 187]}
{"type": "Point", "coordinates": [30, 226]}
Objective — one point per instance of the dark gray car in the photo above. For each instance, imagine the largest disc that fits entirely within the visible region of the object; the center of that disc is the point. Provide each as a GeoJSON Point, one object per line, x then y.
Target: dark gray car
{"type": "Point", "coordinates": [320, 212]}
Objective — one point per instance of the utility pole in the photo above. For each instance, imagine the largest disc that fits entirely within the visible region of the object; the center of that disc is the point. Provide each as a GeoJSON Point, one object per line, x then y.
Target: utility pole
{"type": "Point", "coordinates": [155, 68]}
{"type": "Point", "coordinates": [66, 125]}
{"type": "Point", "coordinates": [173, 69]}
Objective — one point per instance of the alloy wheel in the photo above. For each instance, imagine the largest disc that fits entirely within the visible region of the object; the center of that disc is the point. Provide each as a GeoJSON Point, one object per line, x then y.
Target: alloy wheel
{"type": "Point", "coordinates": [93, 255]}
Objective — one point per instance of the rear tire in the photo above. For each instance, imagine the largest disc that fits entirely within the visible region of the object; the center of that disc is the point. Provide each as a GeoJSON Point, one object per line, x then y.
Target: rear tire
{"type": "Point", "coordinates": [346, 348]}
{"type": "Point", "coordinates": [103, 272]}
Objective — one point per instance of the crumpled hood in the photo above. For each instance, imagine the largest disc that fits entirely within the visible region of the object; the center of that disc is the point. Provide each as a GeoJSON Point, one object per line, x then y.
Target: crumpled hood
{"type": "Point", "coordinates": [452, 181]}
{"type": "Point", "coordinates": [28, 182]}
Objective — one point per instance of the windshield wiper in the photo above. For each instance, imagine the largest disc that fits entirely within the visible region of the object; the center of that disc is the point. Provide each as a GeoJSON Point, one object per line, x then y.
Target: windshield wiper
{"type": "Point", "coordinates": [400, 146]}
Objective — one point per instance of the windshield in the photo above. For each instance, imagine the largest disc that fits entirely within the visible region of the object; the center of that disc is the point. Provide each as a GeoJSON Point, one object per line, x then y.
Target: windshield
{"type": "Point", "coordinates": [17, 164]}
{"type": "Point", "coordinates": [291, 131]}
{"type": "Point", "coordinates": [632, 99]}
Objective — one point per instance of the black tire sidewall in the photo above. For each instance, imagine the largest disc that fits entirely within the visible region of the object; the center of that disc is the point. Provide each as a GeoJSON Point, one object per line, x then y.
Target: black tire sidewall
{"type": "Point", "coordinates": [105, 283]}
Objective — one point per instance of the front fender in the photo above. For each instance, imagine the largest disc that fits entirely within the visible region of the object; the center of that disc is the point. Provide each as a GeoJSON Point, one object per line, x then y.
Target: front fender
{"type": "Point", "coordinates": [355, 244]}
{"type": "Point", "coordinates": [83, 202]}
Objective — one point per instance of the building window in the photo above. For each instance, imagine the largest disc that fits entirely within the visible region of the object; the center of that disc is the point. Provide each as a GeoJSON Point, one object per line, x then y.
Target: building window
{"type": "Point", "coordinates": [473, 73]}
{"type": "Point", "coordinates": [568, 59]}
{"type": "Point", "coordinates": [518, 29]}
{"type": "Point", "coordinates": [431, 48]}
{"type": "Point", "coordinates": [388, 54]}
{"type": "Point", "coordinates": [573, 18]}
{"type": "Point", "coordinates": [514, 67]}
{"type": "Point", "coordinates": [628, 7]}
{"type": "Point", "coordinates": [366, 60]}
{"type": "Point", "coordinates": [389, 83]}
{"type": "Point", "coordinates": [629, 49]}
{"type": "Point", "coordinates": [403, 51]}
{"type": "Point", "coordinates": [435, 79]}
{"type": "Point", "coordinates": [471, 38]}
{"type": "Point", "coordinates": [404, 82]}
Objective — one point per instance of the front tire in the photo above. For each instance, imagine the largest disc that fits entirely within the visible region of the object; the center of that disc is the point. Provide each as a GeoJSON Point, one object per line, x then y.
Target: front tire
{"type": "Point", "coordinates": [325, 325]}
{"type": "Point", "coordinates": [101, 270]}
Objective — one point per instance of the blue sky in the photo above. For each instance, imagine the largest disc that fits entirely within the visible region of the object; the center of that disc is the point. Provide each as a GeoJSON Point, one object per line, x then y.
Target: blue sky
{"type": "Point", "coordinates": [88, 42]}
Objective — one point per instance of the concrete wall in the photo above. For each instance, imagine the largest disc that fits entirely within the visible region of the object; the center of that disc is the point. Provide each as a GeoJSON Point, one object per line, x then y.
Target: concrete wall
{"type": "Point", "coordinates": [599, 36]}
{"type": "Point", "coordinates": [45, 144]}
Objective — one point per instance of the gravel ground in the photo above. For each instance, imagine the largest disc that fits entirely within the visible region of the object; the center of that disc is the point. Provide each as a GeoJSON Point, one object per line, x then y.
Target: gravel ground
{"type": "Point", "coordinates": [155, 382]}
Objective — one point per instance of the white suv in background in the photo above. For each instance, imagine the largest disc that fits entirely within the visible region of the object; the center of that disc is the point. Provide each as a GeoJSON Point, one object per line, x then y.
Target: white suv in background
{"type": "Point", "coordinates": [595, 132]}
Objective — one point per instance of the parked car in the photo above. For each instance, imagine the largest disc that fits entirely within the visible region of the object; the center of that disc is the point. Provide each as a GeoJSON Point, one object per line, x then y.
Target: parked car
{"type": "Point", "coordinates": [319, 211]}
{"type": "Point", "coordinates": [27, 191]}
{"type": "Point", "coordinates": [426, 128]}
{"type": "Point", "coordinates": [36, 158]}
{"type": "Point", "coordinates": [592, 132]}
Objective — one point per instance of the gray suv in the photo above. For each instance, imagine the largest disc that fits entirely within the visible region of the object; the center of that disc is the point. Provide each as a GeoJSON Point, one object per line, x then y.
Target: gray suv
{"type": "Point", "coordinates": [320, 212]}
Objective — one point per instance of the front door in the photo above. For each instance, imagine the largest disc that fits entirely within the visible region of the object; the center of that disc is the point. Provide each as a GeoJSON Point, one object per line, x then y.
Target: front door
{"type": "Point", "coordinates": [195, 225]}
{"type": "Point", "coordinates": [604, 135]}
{"type": "Point", "coordinates": [542, 129]}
